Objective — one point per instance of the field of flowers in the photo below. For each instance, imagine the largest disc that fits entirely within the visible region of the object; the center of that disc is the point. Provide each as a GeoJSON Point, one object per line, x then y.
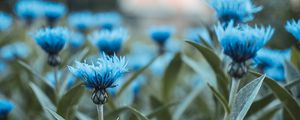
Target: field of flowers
{"type": "Point", "coordinates": [59, 64]}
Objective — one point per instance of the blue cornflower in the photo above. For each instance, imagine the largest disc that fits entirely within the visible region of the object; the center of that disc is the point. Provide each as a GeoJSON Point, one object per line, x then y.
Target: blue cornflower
{"type": "Point", "coordinates": [17, 50]}
{"type": "Point", "coordinates": [53, 11]}
{"type": "Point", "coordinates": [5, 21]}
{"type": "Point", "coordinates": [241, 43]}
{"type": "Point", "coordinates": [29, 9]}
{"type": "Point", "coordinates": [160, 34]}
{"type": "Point", "coordinates": [5, 107]}
{"type": "Point", "coordinates": [108, 20]}
{"type": "Point", "coordinates": [76, 40]}
{"type": "Point", "coordinates": [108, 41]}
{"type": "Point", "coordinates": [81, 20]}
{"type": "Point", "coordinates": [271, 62]}
{"type": "Point", "coordinates": [293, 27]}
{"type": "Point", "coordinates": [51, 40]}
{"type": "Point", "coordinates": [237, 10]}
{"type": "Point", "coordinates": [195, 34]}
{"type": "Point", "coordinates": [101, 75]}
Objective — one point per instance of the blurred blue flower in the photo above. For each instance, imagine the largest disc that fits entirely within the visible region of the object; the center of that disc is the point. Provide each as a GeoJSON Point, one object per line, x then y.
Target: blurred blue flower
{"type": "Point", "coordinates": [5, 21]}
{"type": "Point", "coordinates": [108, 41]}
{"type": "Point", "coordinates": [237, 10]}
{"type": "Point", "coordinates": [101, 75]}
{"type": "Point", "coordinates": [160, 34]}
{"type": "Point", "coordinates": [51, 40]}
{"type": "Point", "coordinates": [293, 27]}
{"type": "Point", "coordinates": [29, 9]}
{"type": "Point", "coordinates": [3, 68]}
{"type": "Point", "coordinates": [53, 10]}
{"type": "Point", "coordinates": [195, 34]}
{"type": "Point", "coordinates": [76, 40]}
{"type": "Point", "coordinates": [241, 43]}
{"type": "Point", "coordinates": [5, 107]}
{"type": "Point", "coordinates": [17, 50]}
{"type": "Point", "coordinates": [108, 20]}
{"type": "Point", "coordinates": [81, 20]}
{"type": "Point", "coordinates": [271, 62]}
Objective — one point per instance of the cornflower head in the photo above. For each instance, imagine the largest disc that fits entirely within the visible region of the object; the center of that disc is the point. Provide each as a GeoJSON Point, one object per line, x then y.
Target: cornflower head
{"type": "Point", "coordinates": [101, 75]}
{"type": "Point", "coordinates": [81, 21]}
{"type": "Point", "coordinates": [5, 21]}
{"type": "Point", "coordinates": [29, 10]}
{"type": "Point", "coordinates": [271, 62]}
{"type": "Point", "coordinates": [52, 41]}
{"type": "Point", "coordinates": [53, 11]}
{"type": "Point", "coordinates": [76, 40]}
{"type": "Point", "coordinates": [5, 107]}
{"type": "Point", "coordinates": [293, 26]}
{"type": "Point", "coordinates": [241, 43]}
{"type": "Point", "coordinates": [160, 35]}
{"type": "Point", "coordinates": [108, 41]}
{"type": "Point", "coordinates": [237, 10]}
{"type": "Point", "coordinates": [195, 34]}
{"type": "Point", "coordinates": [108, 20]}
{"type": "Point", "coordinates": [17, 50]}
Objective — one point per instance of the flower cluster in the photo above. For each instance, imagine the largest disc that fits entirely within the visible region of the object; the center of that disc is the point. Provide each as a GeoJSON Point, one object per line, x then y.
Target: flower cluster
{"type": "Point", "coordinates": [293, 27]}
{"type": "Point", "coordinates": [237, 10]}
{"type": "Point", "coordinates": [108, 41]}
{"type": "Point", "coordinates": [29, 10]}
{"type": "Point", "coordinates": [5, 21]}
{"type": "Point", "coordinates": [53, 11]}
{"type": "Point", "coordinates": [81, 20]}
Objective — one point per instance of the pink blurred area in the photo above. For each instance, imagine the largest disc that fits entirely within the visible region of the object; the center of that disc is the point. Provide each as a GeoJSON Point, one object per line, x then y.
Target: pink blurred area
{"type": "Point", "coordinates": [180, 13]}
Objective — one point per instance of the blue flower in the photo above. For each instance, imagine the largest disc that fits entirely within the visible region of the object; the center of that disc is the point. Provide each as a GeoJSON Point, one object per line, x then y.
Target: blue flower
{"type": "Point", "coordinates": [293, 27]}
{"type": "Point", "coordinates": [5, 107]}
{"type": "Point", "coordinates": [17, 50]}
{"type": "Point", "coordinates": [54, 11]}
{"type": "Point", "coordinates": [241, 43]}
{"type": "Point", "coordinates": [137, 84]}
{"type": "Point", "coordinates": [5, 21]}
{"type": "Point", "coordinates": [237, 10]}
{"type": "Point", "coordinates": [271, 62]}
{"type": "Point", "coordinates": [101, 75]}
{"type": "Point", "coordinates": [29, 9]}
{"type": "Point", "coordinates": [195, 34]}
{"type": "Point", "coordinates": [108, 20]}
{"type": "Point", "coordinates": [76, 40]}
{"type": "Point", "coordinates": [82, 20]}
{"type": "Point", "coordinates": [51, 40]}
{"type": "Point", "coordinates": [108, 41]}
{"type": "Point", "coordinates": [160, 34]}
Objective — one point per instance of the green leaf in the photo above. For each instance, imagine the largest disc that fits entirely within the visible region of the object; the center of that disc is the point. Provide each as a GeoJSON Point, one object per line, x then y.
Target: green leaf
{"type": "Point", "coordinates": [43, 99]}
{"type": "Point", "coordinates": [170, 77]}
{"type": "Point", "coordinates": [244, 98]}
{"type": "Point", "coordinates": [164, 114]}
{"type": "Point", "coordinates": [55, 115]}
{"type": "Point", "coordinates": [295, 57]}
{"type": "Point", "coordinates": [162, 109]}
{"type": "Point", "coordinates": [221, 98]}
{"type": "Point", "coordinates": [114, 114]}
{"type": "Point", "coordinates": [69, 100]}
{"type": "Point", "coordinates": [291, 73]}
{"type": "Point", "coordinates": [34, 72]}
{"type": "Point", "coordinates": [259, 104]}
{"type": "Point", "coordinates": [133, 77]}
{"type": "Point", "coordinates": [269, 114]}
{"type": "Point", "coordinates": [78, 56]}
{"type": "Point", "coordinates": [187, 101]}
{"type": "Point", "coordinates": [215, 64]}
{"type": "Point", "coordinates": [82, 116]}
{"type": "Point", "coordinates": [289, 103]}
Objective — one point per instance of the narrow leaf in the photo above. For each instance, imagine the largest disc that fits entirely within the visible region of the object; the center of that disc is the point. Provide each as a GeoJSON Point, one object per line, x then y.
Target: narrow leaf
{"type": "Point", "coordinates": [164, 114]}
{"type": "Point", "coordinates": [295, 57]}
{"type": "Point", "coordinates": [244, 98]}
{"type": "Point", "coordinates": [138, 114]}
{"type": "Point", "coordinates": [221, 98]}
{"type": "Point", "coordinates": [55, 115]}
{"type": "Point", "coordinates": [289, 103]}
{"type": "Point", "coordinates": [114, 114]}
{"type": "Point", "coordinates": [69, 100]}
{"type": "Point", "coordinates": [170, 77]}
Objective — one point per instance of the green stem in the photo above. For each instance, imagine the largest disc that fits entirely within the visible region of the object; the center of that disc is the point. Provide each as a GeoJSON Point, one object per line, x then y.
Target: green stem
{"type": "Point", "coordinates": [100, 111]}
{"type": "Point", "coordinates": [233, 91]}
{"type": "Point", "coordinates": [56, 81]}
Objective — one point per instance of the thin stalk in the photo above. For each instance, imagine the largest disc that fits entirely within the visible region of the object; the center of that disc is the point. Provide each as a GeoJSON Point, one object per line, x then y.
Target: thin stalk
{"type": "Point", "coordinates": [56, 80]}
{"type": "Point", "coordinates": [100, 111]}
